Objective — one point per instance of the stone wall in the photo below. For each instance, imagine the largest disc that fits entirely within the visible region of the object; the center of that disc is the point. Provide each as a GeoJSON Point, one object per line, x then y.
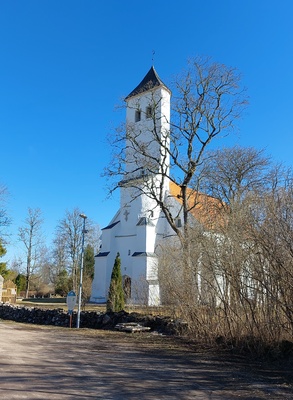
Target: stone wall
{"type": "Point", "coordinates": [88, 319]}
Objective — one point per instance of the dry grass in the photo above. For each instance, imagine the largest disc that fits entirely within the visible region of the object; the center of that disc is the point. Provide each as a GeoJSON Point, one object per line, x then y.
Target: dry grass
{"type": "Point", "coordinates": [140, 309]}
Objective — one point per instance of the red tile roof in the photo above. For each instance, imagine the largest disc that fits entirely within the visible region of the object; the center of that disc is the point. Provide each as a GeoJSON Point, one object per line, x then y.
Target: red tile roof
{"type": "Point", "coordinates": [207, 210]}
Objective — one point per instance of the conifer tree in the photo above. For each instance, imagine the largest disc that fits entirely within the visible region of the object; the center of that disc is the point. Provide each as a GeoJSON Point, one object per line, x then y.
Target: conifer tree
{"type": "Point", "coordinates": [89, 262]}
{"type": "Point", "coordinates": [20, 282]}
{"type": "Point", "coordinates": [115, 301]}
{"type": "Point", "coordinates": [3, 265]}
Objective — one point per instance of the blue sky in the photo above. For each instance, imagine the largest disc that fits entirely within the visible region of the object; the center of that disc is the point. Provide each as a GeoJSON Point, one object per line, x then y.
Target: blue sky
{"type": "Point", "coordinates": [65, 65]}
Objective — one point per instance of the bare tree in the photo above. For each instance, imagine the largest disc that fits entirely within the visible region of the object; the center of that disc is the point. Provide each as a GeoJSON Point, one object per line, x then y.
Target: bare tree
{"type": "Point", "coordinates": [59, 265]}
{"type": "Point", "coordinates": [231, 173]}
{"type": "Point", "coordinates": [245, 265]}
{"type": "Point", "coordinates": [237, 177]}
{"type": "Point", "coordinates": [69, 239]}
{"type": "Point", "coordinates": [30, 235]}
{"type": "Point", "coordinates": [207, 101]}
{"type": "Point", "coordinates": [40, 279]}
{"type": "Point", "coordinates": [4, 218]}
{"type": "Point", "coordinates": [273, 234]}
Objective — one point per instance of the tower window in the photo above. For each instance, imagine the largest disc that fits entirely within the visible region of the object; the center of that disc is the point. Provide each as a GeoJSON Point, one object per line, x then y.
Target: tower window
{"type": "Point", "coordinates": [137, 115]}
{"type": "Point", "coordinates": [149, 112]}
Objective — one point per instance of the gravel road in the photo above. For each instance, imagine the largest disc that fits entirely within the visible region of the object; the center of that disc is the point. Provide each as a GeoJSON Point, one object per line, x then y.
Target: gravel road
{"type": "Point", "coordinates": [39, 362]}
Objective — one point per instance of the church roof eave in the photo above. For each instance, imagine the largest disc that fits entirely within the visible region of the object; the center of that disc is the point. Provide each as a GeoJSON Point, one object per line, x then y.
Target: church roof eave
{"type": "Point", "coordinates": [103, 254]}
{"type": "Point", "coordinates": [110, 226]}
{"type": "Point", "coordinates": [143, 254]}
{"type": "Point", "coordinates": [149, 82]}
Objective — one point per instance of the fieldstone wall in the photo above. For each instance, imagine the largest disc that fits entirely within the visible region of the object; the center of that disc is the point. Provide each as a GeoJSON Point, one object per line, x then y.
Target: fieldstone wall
{"type": "Point", "coordinates": [88, 319]}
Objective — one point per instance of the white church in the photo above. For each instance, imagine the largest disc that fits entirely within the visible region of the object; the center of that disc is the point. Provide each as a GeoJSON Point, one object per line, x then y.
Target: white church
{"type": "Point", "coordinates": [139, 225]}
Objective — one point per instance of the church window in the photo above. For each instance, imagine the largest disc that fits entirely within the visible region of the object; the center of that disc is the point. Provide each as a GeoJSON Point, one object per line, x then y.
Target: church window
{"type": "Point", "coordinates": [149, 112]}
{"type": "Point", "coordinates": [178, 222]}
{"type": "Point", "coordinates": [137, 115]}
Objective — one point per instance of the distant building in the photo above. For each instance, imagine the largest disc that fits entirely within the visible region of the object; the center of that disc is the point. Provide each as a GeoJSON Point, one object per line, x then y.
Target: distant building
{"type": "Point", "coordinates": [9, 291]}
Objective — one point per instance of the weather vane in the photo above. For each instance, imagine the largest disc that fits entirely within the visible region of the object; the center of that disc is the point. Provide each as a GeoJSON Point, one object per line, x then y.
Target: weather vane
{"type": "Point", "coordinates": [153, 56]}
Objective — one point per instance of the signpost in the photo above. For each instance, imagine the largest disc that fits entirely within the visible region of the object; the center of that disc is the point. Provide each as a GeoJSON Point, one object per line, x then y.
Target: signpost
{"type": "Point", "coordinates": [71, 301]}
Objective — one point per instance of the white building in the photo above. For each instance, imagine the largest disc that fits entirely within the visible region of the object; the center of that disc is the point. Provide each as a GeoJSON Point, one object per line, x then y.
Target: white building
{"type": "Point", "coordinates": [139, 224]}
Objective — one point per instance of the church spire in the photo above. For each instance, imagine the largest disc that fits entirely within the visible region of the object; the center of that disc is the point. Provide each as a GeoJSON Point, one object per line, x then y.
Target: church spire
{"type": "Point", "coordinates": [149, 82]}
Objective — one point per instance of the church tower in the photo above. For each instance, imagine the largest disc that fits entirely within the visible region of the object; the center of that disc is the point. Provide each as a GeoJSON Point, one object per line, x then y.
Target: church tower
{"type": "Point", "coordinates": [147, 122]}
{"type": "Point", "coordinates": [134, 230]}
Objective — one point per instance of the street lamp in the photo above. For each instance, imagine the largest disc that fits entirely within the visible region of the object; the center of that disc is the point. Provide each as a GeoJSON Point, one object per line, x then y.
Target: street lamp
{"type": "Point", "coordinates": [84, 217]}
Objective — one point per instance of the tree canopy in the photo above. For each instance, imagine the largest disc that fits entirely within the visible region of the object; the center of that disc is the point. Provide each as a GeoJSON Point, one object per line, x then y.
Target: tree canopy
{"type": "Point", "coordinates": [3, 265]}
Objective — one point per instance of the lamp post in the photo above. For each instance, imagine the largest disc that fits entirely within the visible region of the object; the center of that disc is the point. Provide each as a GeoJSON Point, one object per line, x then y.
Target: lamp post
{"type": "Point", "coordinates": [81, 271]}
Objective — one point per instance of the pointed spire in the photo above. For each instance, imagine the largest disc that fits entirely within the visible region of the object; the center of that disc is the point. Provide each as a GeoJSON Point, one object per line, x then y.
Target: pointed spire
{"type": "Point", "coordinates": [149, 82]}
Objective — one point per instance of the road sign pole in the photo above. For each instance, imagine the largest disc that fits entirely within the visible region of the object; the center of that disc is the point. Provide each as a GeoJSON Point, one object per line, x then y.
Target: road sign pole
{"type": "Point", "coordinates": [71, 301]}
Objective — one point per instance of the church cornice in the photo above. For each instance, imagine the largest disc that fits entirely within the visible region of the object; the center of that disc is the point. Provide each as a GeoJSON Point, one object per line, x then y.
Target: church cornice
{"type": "Point", "coordinates": [124, 236]}
{"type": "Point", "coordinates": [130, 181]}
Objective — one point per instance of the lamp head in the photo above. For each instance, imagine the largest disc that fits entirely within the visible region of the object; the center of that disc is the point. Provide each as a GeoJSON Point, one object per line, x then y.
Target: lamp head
{"type": "Point", "coordinates": [83, 216]}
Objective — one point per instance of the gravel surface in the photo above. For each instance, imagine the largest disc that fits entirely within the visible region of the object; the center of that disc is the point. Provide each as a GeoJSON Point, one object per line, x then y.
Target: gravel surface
{"type": "Point", "coordinates": [41, 362]}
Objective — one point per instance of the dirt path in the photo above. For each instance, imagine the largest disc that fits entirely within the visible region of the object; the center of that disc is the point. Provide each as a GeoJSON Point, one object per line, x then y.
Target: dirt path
{"type": "Point", "coordinates": [38, 362]}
